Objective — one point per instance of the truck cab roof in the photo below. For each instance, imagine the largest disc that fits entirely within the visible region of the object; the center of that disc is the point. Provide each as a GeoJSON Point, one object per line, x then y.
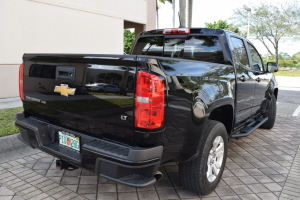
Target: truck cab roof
{"type": "Point", "coordinates": [209, 31]}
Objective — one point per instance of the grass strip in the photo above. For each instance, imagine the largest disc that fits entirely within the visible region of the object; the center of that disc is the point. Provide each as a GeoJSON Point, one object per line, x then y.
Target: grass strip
{"type": "Point", "coordinates": [288, 72]}
{"type": "Point", "coordinates": [7, 121]}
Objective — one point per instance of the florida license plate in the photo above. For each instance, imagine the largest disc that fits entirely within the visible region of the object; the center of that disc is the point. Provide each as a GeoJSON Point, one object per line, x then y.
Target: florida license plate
{"type": "Point", "coordinates": [68, 140]}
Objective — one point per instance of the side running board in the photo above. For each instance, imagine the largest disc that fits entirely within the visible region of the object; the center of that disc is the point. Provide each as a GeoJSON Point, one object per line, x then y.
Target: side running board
{"type": "Point", "coordinates": [250, 128]}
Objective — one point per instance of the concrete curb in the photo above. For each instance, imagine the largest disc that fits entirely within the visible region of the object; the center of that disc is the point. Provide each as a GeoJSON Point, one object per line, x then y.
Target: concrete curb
{"type": "Point", "coordinates": [10, 143]}
{"type": "Point", "coordinates": [12, 102]}
{"type": "Point", "coordinates": [12, 148]}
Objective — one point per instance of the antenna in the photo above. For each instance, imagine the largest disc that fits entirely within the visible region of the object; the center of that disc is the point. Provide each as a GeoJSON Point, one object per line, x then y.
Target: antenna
{"type": "Point", "coordinates": [180, 21]}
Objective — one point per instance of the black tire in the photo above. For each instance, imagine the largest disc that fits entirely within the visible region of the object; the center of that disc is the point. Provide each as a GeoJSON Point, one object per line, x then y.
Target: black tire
{"type": "Point", "coordinates": [193, 174]}
{"type": "Point", "coordinates": [100, 91]}
{"type": "Point", "coordinates": [271, 114]}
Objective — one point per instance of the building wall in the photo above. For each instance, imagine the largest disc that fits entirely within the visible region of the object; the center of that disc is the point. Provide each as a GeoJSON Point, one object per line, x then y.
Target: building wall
{"type": "Point", "coordinates": [151, 15]}
{"type": "Point", "coordinates": [9, 86]}
{"type": "Point", "coordinates": [63, 26]}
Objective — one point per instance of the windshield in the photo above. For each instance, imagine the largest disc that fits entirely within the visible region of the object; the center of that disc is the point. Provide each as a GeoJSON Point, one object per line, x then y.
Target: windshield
{"type": "Point", "coordinates": [202, 48]}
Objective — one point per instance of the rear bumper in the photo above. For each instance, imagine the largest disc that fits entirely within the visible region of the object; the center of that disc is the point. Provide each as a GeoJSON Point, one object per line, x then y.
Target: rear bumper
{"type": "Point", "coordinates": [133, 166]}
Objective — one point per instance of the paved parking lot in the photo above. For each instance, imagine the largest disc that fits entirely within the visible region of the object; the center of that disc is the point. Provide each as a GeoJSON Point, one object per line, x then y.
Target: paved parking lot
{"type": "Point", "coordinates": [264, 165]}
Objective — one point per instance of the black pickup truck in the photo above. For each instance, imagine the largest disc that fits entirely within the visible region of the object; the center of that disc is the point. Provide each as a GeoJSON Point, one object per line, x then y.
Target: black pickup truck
{"type": "Point", "coordinates": [179, 97]}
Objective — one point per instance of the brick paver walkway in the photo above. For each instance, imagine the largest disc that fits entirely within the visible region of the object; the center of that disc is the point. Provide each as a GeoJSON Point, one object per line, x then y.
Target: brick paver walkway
{"type": "Point", "coordinates": [264, 165]}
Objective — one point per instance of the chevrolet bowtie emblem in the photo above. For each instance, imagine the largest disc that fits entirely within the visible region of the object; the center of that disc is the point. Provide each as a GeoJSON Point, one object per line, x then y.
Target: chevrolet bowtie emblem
{"type": "Point", "coordinates": [64, 90]}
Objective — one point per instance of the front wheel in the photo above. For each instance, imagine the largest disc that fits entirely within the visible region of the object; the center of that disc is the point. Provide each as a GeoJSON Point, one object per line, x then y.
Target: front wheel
{"type": "Point", "coordinates": [202, 174]}
{"type": "Point", "coordinates": [271, 114]}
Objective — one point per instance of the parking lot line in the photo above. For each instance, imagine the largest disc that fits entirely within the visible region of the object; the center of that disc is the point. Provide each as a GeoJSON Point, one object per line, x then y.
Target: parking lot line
{"type": "Point", "coordinates": [296, 112]}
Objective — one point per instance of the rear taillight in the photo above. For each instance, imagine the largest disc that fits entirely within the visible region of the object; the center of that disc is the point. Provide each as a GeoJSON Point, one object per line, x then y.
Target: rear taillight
{"type": "Point", "coordinates": [21, 81]}
{"type": "Point", "coordinates": [149, 101]}
{"type": "Point", "coordinates": [176, 31]}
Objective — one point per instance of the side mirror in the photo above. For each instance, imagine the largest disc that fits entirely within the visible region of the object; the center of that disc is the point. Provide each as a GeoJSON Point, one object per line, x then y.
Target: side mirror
{"type": "Point", "coordinates": [272, 67]}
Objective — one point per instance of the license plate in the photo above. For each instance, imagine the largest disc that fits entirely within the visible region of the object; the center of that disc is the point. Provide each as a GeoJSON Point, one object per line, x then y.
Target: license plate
{"type": "Point", "coordinates": [68, 140]}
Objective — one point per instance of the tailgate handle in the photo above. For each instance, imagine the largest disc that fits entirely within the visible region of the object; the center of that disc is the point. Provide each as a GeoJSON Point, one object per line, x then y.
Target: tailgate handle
{"type": "Point", "coordinates": [65, 73]}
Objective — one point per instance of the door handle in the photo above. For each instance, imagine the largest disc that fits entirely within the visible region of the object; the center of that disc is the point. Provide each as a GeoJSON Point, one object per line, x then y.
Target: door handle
{"type": "Point", "coordinates": [242, 78]}
{"type": "Point", "coordinates": [258, 79]}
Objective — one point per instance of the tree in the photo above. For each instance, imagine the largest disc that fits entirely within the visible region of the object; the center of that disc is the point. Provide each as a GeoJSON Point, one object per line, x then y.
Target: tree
{"type": "Point", "coordinates": [284, 56]}
{"type": "Point", "coordinates": [223, 24]}
{"type": "Point", "coordinates": [128, 40]}
{"type": "Point", "coordinates": [173, 8]}
{"type": "Point", "coordinates": [285, 63]}
{"type": "Point", "coordinates": [296, 56]}
{"type": "Point", "coordinates": [157, 7]}
{"type": "Point", "coordinates": [270, 22]}
{"type": "Point", "coordinates": [189, 12]}
{"type": "Point", "coordinates": [185, 10]}
{"type": "Point", "coordinates": [284, 59]}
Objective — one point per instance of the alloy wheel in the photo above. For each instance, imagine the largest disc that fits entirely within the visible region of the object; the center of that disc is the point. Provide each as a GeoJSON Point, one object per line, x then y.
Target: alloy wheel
{"type": "Point", "coordinates": [215, 159]}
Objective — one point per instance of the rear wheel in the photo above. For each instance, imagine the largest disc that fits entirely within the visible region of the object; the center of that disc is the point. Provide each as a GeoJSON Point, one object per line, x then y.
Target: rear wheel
{"type": "Point", "coordinates": [202, 174]}
{"type": "Point", "coordinates": [271, 114]}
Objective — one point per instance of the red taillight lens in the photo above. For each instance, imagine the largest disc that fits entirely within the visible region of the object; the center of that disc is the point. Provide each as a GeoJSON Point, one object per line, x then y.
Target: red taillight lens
{"type": "Point", "coordinates": [149, 101]}
{"type": "Point", "coordinates": [176, 31]}
{"type": "Point", "coordinates": [21, 81]}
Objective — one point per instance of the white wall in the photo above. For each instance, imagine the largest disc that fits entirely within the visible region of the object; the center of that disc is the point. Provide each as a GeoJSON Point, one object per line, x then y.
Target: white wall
{"type": "Point", "coordinates": [64, 26]}
{"type": "Point", "coordinates": [31, 27]}
{"type": "Point", "coordinates": [9, 77]}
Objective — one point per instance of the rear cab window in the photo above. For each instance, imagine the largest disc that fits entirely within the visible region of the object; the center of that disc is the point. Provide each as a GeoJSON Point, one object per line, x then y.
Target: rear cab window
{"type": "Point", "coordinates": [192, 47]}
{"type": "Point", "coordinates": [42, 71]}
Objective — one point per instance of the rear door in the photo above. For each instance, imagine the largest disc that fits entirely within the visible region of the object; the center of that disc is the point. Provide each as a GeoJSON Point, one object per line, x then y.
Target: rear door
{"type": "Point", "coordinates": [91, 94]}
{"type": "Point", "coordinates": [261, 78]}
{"type": "Point", "coordinates": [245, 81]}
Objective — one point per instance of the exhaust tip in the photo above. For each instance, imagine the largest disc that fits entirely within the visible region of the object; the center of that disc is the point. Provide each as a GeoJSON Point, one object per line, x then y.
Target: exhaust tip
{"type": "Point", "coordinates": [158, 175]}
{"type": "Point", "coordinates": [59, 164]}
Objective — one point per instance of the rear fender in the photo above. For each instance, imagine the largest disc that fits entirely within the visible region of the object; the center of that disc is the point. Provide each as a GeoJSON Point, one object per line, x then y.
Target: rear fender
{"type": "Point", "coordinates": [193, 90]}
{"type": "Point", "coordinates": [221, 110]}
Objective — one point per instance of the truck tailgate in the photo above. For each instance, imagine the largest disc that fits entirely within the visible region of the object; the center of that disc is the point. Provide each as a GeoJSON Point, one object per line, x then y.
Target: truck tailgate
{"type": "Point", "coordinates": [91, 94]}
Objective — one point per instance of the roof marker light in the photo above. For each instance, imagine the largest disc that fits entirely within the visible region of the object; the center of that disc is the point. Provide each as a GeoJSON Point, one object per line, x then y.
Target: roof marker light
{"type": "Point", "coordinates": [176, 31]}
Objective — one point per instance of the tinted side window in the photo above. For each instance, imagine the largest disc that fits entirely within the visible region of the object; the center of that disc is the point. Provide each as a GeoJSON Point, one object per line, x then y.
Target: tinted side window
{"type": "Point", "coordinates": [256, 60]}
{"type": "Point", "coordinates": [42, 71]}
{"type": "Point", "coordinates": [152, 46]}
{"type": "Point", "coordinates": [239, 52]}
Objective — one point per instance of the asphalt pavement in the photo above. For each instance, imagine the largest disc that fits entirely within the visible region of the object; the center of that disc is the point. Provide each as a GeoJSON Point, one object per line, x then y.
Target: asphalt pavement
{"type": "Point", "coordinates": [288, 102]}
